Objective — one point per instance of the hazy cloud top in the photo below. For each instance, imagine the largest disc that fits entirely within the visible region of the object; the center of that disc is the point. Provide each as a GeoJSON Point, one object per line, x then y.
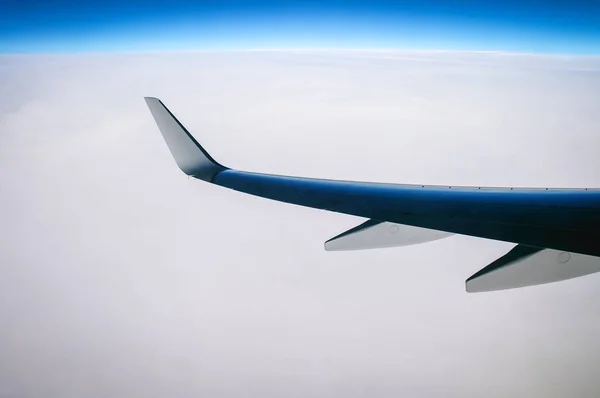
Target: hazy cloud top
{"type": "Point", "coordinates": [120, 277]}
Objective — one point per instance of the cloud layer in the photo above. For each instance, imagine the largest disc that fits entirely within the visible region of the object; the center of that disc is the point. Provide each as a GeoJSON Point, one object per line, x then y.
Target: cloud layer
{"type": "Point", "coordinates": [121, 277]}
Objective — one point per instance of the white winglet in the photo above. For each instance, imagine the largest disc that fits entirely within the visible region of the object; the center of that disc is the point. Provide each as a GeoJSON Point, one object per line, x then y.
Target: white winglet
{"type": "Point", "coordinates": [191, 158]}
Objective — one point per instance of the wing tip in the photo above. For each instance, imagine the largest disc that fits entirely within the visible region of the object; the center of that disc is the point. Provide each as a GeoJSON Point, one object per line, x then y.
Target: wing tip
{"type": "Point", "coordinates": [189, 155]}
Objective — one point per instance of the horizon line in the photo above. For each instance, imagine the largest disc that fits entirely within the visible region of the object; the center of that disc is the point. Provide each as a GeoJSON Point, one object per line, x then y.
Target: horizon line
{"type": "Point", "coordinates": [301, 49]}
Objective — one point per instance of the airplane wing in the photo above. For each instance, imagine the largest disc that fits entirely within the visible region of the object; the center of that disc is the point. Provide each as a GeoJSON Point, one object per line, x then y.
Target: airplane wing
{"type": "Point", "coordinates": [548, 220]}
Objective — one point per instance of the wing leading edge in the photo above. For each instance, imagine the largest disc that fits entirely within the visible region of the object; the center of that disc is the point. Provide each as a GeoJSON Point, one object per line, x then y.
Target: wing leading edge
{"type": "Point", "coordinates": [564, 220]}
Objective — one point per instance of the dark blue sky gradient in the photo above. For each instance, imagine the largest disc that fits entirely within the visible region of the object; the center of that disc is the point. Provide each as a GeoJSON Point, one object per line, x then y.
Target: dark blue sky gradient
{"type": "Point", "coordinates": [149, 25]}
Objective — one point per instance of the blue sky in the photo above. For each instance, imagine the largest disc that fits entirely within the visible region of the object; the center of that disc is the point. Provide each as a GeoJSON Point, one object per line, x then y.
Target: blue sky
{"type": "Point", "coordinates": [31, 26]}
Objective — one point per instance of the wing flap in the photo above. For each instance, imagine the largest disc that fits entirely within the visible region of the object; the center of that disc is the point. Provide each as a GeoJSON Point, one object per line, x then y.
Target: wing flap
{"type": "Point", "coordinates": [374, 234]}
{"type": "Point", "coordinates": [527, 266]}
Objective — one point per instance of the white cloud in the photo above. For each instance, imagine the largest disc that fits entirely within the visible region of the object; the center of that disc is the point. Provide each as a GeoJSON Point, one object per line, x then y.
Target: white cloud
{"type": "Point", "coordinates": [120, 277]}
